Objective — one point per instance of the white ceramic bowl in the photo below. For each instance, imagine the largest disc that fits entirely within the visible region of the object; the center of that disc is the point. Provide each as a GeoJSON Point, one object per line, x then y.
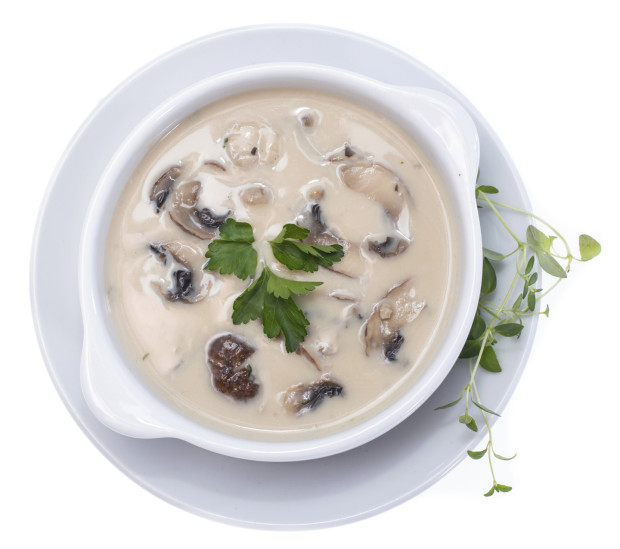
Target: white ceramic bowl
{"type": "Point", "coordinates": [117, 394]}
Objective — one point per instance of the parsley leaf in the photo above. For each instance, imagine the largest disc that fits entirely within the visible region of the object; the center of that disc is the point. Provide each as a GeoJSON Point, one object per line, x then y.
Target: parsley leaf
{"type": "Point", "coordinates": [283, 287]}
{"type": "Point", "coordinates": [270, 298]}
{"type": "Point", "coordinates": [283, 316]}
{"type": "Point", "coordinates": [249, 305]}
{"type": "Point", "coordinates": [301, 256]}
{"type": "Point", "coordinates": [233, 252]}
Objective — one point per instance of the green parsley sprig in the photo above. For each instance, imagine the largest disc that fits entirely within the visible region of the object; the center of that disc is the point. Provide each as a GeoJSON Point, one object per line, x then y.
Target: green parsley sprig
{"type": "Point", "coordinates": [270, 297]}
{"type": "Point", "coordinates": [504, 319]}
{"type": "Point", "coordinates": [297, 255]}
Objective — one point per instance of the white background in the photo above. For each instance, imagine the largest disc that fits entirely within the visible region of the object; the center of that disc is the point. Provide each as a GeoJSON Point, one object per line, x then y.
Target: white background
{"type": "Point", "coordinates": [546, 77]}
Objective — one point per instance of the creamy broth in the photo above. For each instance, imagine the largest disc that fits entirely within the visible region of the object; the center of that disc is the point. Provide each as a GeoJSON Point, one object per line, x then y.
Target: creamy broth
{"type": "Point", "coordinates": [269, 158]}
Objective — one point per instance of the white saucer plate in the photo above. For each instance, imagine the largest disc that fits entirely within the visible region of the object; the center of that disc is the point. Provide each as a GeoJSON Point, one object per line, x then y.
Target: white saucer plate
{"type": "Point", "coordinates": [309, 494]}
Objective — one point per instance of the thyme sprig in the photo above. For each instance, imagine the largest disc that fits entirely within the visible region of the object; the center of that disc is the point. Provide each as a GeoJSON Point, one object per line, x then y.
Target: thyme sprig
{"type": "Point", "coordinates": [503, 318]}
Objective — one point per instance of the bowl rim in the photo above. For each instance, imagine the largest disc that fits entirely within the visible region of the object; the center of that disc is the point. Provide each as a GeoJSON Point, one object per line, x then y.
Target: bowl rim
{"type": "Point", "coordinates": [98, 339]}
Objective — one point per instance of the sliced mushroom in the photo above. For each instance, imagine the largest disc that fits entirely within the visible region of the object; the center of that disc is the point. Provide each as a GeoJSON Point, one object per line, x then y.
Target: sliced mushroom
{"type": "Point", "coordinates": [343, 154]}
{"type": "Point", "coordinates": [256, 193]}
{"type": "Point", "coordinates": [162, 187]}
{"type": "Point", "coordinates": [390, 247]}
{"type": "Point", "coordinates": [352, 264]}
{"type": "Point", "coordinates": [269, 146]}
{"type": "Point", "coordinates": [389, 315]}
{"type": "Point", "coordinates": [301, 398]}
{"type": "Point", "coordinates": [185, 213]}
{"type": "Point", "coordinates": [309, 354]}
{"type": "Point", "coordinates": [312, 219]}
{"type": "Point", "coordinates": [343, 295]}
{"type": "Point", "coordinates": [227, 356]}
{"type": "Point", "coordinates": [214, 166]}
{"type": "Point", "coordinates": [187, 281]}
{"type": "Point", "coordinates": [377, 182]}
{"type": "Point", "coordinates": [249, 144]}
{"type": "Point", "coordinates": [309, 119]}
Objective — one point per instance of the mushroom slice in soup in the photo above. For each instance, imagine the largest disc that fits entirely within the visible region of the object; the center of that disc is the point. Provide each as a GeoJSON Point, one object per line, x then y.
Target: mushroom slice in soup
{"type": "Point", "coordinates": [319, 235]}
{"type": "Point", "coordinates": [310, 354]}
{"type": "Point", "coordinates": [227, 356]}
{"type": "Point", "coordinates": [302, 398]}
{"type": "Point", "coordinates": [214, 166]}
{"type": "Point", "coordinates": [255, 194]}
{"type": "Point", "coordinates": [162, 187]}
{"type": "Point", "coordinates": [351, 265]}
{"type": "Point", "coordinates": [187, 282]}
{"type": "Point", "coordinates": [185, 213]}
{"type": "Point", "coordinates": [390, 247]}
{"type": "Point", "coordinates": [389, 315]}
{"type": "Point", "coordinates": [312, 219]}
{"type": "Point", "coordinates": [377, 182]}
{"type": "Point", "coordinates": [343, 154]}
{"type": "Point", "coordinates": [250, 144]}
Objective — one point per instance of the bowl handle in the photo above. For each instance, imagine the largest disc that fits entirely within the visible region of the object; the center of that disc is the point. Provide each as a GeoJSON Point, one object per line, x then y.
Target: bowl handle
{"type": "Point", "coordinates": [108, 396]}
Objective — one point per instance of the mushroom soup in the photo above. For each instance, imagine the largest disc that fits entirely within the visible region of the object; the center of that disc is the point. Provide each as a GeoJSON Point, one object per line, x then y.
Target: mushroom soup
{"type": "Point", "coordinates": [269, 158]}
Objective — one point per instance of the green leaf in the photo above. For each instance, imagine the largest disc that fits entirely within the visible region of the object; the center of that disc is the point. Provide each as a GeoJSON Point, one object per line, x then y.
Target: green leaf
{"type": "Point", "coordinates": [487, 189]}
{"type": "Point", "coordinates": [490, 492]}
{"type": "Point", "coordinates": [530, 265]}
{"type": "Point", "coordinates": [532, 280]}
{"type": "Point", "coordinates": [491, 255]}
{"type": "Point", "coordinates": [588, 247]}
{"type": "Point", "coordinates": [550, 265]}
{"type": "Point", "coordinates": [476, 455]}
{"type": "Point", "coordinates": [517, 303]}
{"type": "Point", "coordinates": [504, 458]}
{"type": "Point", "coordinates": [284, 316]}
{"type": "Point", "coordinates": [485, 409]}
{"type": "Point", "coordinates": [526, 289]}
{"type": "Point", "coordinates": [298, 255]}
{"type": "Point", "coordinates": [471, 349]}
{"type": "Point", "coordinates": [489, 278]}
{"type": "Point", "coordinates": [538, 240]}
{"type": "Point", "coordinates": [531, 301]}
{"type": "Point", "coordinates": [478, 327]}
{"type": "Point", "coordinates": [291, 231]}
{"type": "Point", "coordinates": [450, 404]}
{"type": "Point", "coordinates": [503, 488]}
{"type": "Point", "coordinates": [236, 231]}
{"type": "Point", "coordinates": [489, 360]}
{"type": "Point", "coordinates": [238, 258]}
{"type": "Point", "coordinates": [270, 298]}
{"type": "Point", "coordinates": [469, 422]}
{"type": "Point", "coordinates": [283, 287]}
{"type": "Point", "coordinates": [233, 252]}
{"type": "Point", "coordinates": [472, 425]}
{"type": "Point", "coordinates": [249, 305]}
{"type": "Point", "coordinates": [510, 329]}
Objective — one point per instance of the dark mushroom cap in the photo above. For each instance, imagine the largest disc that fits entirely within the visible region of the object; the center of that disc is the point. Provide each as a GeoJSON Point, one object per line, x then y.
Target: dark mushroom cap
{"type": "Point", "coordinates": [227, 356]}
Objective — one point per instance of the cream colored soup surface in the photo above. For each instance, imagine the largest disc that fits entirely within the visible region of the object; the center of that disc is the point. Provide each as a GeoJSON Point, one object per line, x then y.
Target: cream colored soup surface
{"type": "Point", "coordinates": [269, 158]}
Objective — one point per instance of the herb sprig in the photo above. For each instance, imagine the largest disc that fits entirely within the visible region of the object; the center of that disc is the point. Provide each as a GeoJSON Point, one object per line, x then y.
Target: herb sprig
{"type": "Point", "coordinates": [495, 320]}
{"type": "Point", "coordinates": [297, 255]}
{"type": "Point", "coordinates": [270, 297]}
